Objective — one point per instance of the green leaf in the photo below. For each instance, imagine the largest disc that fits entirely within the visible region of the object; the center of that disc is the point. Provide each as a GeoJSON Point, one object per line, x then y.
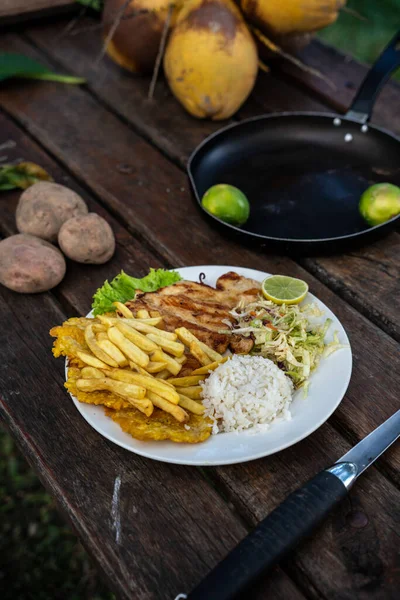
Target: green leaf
{"type": "Point", "coordinates": [93, 4]}
{"type": "Point", "coordinates": [18, 65]}
{"type": "Point", "coordinates": [123, 288]}
{"type": "Point", "coordinates": [21, 176]}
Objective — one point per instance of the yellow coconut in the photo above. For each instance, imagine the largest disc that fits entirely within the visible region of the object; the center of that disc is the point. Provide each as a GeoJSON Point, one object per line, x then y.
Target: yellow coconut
{"type": "Point", "coordinates": [291, 17]}
{"type": "Point", "coordinates": [136, 40]}
{"type": "Point", "coordinates": [211, 59]}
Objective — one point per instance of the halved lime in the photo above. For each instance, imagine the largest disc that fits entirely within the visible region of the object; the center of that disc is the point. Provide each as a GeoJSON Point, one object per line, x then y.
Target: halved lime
{"type": "Point", "coordinates": [227, 203]}
{"type": "Point", "coordinates": [284, 290]}
{"type": "Point", "coordinates": [379, 203]}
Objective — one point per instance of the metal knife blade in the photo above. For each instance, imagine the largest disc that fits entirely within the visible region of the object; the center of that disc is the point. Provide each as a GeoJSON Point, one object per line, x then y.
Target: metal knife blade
{"type": "Point", "coordinates": [372, 446]}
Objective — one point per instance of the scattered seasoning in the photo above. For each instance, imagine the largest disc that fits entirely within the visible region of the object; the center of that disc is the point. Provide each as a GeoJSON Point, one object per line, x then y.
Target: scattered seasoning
{"type": "Point", "coordinates": [348, 137]}
{"type": "Point", "coordinates": [202, 277]}
{"type": "Point", "coordinates": [337, 122]}
{"type": "Point", "coordinates": [364, 128]}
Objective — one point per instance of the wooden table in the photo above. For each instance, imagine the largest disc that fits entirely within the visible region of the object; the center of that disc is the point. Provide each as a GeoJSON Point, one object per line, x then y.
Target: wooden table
{"type": "Point", "coordinates": [126, 156]}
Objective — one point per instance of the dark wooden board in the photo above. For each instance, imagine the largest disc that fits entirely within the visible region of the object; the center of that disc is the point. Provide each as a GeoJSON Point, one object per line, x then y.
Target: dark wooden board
{"type": "Point", "coordinates": [351, 555]}
{"type": "Point", "coordinates": [178, 135]}
{"type": "Point", "coordinates": [371, 273]}
{"type": "Point", "coordinates": [346, 74]}
{"type": "Point", "coordinates": [80, 467]}
{"type": "Point", "coordinates": [150, 202]}
{"type": "Point", "coordinates": [370, 368]}
{"type": "Point", "coordinates": [130, 252]}
{"type": "Point", "coordinates": [18, 8]}
{"type": "Point", "coordinates": [349, 558]}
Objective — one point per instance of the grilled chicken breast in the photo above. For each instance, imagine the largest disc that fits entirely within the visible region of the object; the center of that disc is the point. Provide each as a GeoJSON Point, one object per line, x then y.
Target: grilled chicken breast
{"type": "Point", "coordinates": [202, 309]}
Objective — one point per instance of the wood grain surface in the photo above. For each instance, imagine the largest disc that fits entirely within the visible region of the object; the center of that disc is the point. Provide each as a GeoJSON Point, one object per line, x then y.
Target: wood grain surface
{"type": "Point", "coordinates": [160, 544]}
{"type": "Point", "coordinates": [164, 123]}
{"type": "Point", "coordinates": [17, 9]}
{"type": "Point", "coordinates": [125, 156]}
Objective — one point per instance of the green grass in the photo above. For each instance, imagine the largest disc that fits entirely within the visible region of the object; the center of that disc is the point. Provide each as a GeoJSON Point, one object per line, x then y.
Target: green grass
{"type": "Point", "coordinates": [365, 39]}
{"type": "Point", "coordinates": [40, 557]}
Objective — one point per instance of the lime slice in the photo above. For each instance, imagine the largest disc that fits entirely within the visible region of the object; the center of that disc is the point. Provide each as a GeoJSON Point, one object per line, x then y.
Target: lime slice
{"type": "Point", "coordinates": [284, 290]}
{"type": "Point", "coordinates": [227, 203]}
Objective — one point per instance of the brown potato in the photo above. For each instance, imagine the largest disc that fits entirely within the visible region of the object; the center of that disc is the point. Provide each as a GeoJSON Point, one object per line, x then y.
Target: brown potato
{"type": "Point", "coordinates": [87, 239]}
{"type": "Point", "coordinates": [45, 206]}
{"type": "Point", "coordinates": [29, 264]}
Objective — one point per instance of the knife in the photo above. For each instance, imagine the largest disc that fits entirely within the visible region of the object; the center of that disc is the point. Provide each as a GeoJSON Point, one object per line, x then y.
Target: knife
{"type": "Point", "coordinates": [294, 519]}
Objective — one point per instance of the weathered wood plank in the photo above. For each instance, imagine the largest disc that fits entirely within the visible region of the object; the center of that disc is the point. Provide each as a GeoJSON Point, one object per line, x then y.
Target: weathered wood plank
{"type": "Point", "coordinates": [171, 128]}
{"type": "Point", "coordinates": [354, 554]}
{"type": "Point", "coordinates": [346, 74]}
{"type": "Point", "coordinates": [151, 202]}
{"type": "Point", "coordinates": [237, 256]}
{"type": "Point", "coordinates": [128, 539]}
{"type": "Point", "coordinates": [130, 252]}
{"type": "Point", "coordinates": [368, 278]}
{"type": "Point", "coordinates": [15, 11]}
{"type": "Point", "coordinates": [10, 8]}
{"type": "Point", "coordinates": [183, 132]}
{"type": "Point", "coordinates": [258, 487]}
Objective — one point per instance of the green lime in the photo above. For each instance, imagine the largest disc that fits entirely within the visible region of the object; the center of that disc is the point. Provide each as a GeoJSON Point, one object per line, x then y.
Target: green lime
{"type": "Point", "coordinates": [379, 203]}
{"type": "Point", "coordinates": [284, 290]}
{"type": "Point", "coordinates": [227, 203]}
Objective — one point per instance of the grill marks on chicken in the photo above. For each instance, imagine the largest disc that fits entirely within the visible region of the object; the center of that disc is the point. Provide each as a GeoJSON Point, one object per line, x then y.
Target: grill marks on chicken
{"type": "Point", "coordinates": [202, 309]}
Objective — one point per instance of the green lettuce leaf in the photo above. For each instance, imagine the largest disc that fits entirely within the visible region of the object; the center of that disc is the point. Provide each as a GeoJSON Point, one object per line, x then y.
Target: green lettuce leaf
{"type": "Point", "coordinates": [123, 288]}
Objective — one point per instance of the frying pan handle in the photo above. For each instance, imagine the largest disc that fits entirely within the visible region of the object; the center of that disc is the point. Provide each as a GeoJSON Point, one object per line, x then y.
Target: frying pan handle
{"type": "Point", "coordinates": [363, 103]}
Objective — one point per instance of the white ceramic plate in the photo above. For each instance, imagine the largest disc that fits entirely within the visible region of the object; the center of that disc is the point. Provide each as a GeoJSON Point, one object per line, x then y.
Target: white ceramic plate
{"type": "Point", "coordinates": [327, 388]}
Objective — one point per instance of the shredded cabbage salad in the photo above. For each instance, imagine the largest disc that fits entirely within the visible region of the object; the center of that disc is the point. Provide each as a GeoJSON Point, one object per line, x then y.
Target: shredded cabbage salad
{"type": "Point", "coordinates": [286, 335]}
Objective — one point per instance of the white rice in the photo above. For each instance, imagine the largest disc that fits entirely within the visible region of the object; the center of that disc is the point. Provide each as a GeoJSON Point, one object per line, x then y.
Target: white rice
{"type": "Point", "coordinates": [247, 392]}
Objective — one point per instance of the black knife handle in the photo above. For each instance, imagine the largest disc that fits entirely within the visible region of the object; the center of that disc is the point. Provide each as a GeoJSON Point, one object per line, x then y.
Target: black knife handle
{"type": "Point", "coordinates": [272, 539]}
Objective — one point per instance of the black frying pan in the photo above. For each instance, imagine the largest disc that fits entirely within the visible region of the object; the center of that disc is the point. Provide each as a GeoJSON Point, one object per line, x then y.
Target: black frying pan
{"type": "Point", "coordinates": [304, 173]}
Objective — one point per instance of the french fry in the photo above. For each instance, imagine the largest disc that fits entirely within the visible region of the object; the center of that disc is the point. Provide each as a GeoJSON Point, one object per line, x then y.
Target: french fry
{"type": "Point", "coordinates": [142, 314]}
{"type": "Point", "coordinates": [98, 327]}
{"type": "Point", "coordinates": [90, 339]}
{"type": "Point", "coordinates": [174, 348]}
{"type": "Point", "coordinates": [178, 413]}
{"type": "Point", "coordinates": [172, 365]}
{"type": "Point", "coordinates": [124, 310]}
{"type": "Point", "coordinates": [155, 367]}
{"type": "Point", "coordinates": [150, 383]}
{"type": "Point", "coordinates": [197, 352]}
{"type": "Point", "coordinates": [146, 327]}
{"type": "Point", "coordinates": [191, 405]}
{"type": "Point", "coordinates": [110, 385]}
{"type": "Point", "coordinates": [113, 351]}
{"type": "Point", "coordinates": [194, 392]}
{"type": "Point", "coordinates": [92, 360]}
{"type": "Point", "coordinates": [130, 350]}
{"type": "Point", "coordinates": [110, 321]}
{"type": "Point", "coordinates": [189, 380]}
{"type": "Point", "coordinates": [166, 380]}
{"type": "Point", "coordinates": [155, 313]}
{"type": "Point", "coordinates": [138, 369]}
{"type": "Point", "coordinates": [163, 374]}
{"type": "Point", "coordinates": [187, 338]}
{"type": "Point", "coordinates": [132, 393]}
{"type": "Point", "coordinates": [91, 373]}
{"type": "Point", "coordinates": [214, 356]}
{"type": "Point", "coordinates": [102, 335]}
{"type": "Point", "coordinates": [181, 359]}
{"type": "Point", "coordinates": [211, 367]}
{"type": "Point", "coordinates": [140, 340]}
